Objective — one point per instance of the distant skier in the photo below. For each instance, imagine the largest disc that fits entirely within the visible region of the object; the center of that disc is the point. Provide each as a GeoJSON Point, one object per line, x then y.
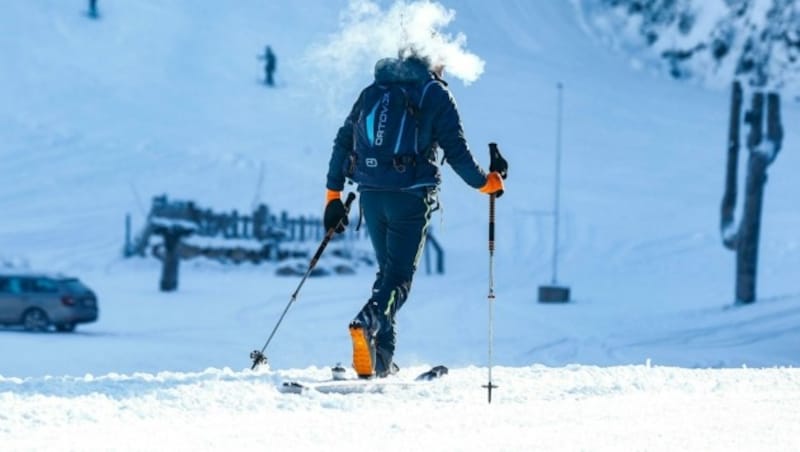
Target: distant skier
{"type": "Point", "coordinates": [269, 66]}
{"type": "Point", "coordinates": [388, 146]}
{"type": "Point", "coordinates": [93, 13]}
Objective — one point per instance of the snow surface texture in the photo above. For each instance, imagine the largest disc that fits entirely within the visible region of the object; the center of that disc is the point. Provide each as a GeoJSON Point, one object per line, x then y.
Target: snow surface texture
{"type": "Point", "coordinates": [166, 97]}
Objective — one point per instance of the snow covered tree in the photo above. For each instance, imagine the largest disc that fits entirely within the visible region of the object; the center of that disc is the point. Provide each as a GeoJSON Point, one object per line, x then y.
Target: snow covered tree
{"type": "Point", "coordinates": [716, 41]}
{"type": "Point", "coordinates": [752, 43]}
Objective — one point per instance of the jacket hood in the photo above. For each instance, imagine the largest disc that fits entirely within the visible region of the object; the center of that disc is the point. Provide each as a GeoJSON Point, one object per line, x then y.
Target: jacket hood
{"type": "Point", "coordinates": [412, 69]}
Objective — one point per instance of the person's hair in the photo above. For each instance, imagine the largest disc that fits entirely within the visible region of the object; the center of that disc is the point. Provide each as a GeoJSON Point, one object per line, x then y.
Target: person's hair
{"type": "Point", "coordinates": [411, 52]}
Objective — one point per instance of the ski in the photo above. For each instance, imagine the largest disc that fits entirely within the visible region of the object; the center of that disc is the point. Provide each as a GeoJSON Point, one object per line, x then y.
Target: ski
{"type": "Point", "coordinates": [342, 385]}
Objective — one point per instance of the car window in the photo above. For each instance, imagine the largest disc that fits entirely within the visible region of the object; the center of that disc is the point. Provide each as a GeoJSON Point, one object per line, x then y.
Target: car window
{"type": "Point", "coordinates": [10, 285]}
{"type": "Point", "coordinates": [41, 285]}
{"type": "Point", "coordinates": [73, 285]}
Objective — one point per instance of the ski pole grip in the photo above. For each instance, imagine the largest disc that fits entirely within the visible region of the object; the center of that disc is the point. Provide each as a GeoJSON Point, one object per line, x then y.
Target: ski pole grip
{"type": "Point", "coordinates": [329, 234]}
{"type": "Point", "coordinates": [497, 162]}
{"type": "Point", "coordinates": [491, 222]}
{"type": "Point", "coordinates": [350, 198]}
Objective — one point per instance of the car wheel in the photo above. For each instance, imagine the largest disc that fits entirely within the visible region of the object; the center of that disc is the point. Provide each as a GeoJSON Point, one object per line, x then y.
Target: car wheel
{"type": "Point", "coordinates": [35, 320]}
{"type": "Point", "coordinates": [65, 327]}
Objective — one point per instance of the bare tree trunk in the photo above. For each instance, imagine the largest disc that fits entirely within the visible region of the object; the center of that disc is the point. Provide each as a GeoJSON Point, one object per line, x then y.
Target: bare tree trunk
{"type": "Point", "coordinates": [763, 143]}
{"type": "Point", "coordinates": [731, 175]}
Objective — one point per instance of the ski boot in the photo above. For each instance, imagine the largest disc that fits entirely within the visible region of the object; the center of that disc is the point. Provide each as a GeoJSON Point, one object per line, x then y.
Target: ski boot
{"type": "Point", "coordinates": [363, 350]}
{"type": "Point", "coordinates": [382, 369]}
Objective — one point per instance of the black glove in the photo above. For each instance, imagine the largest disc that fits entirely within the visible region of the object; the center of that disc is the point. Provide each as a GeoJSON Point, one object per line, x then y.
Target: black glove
{"type": "Point", "coordinates": [334, 214]}
{"type": "Point", "coordinates": [497, 162]}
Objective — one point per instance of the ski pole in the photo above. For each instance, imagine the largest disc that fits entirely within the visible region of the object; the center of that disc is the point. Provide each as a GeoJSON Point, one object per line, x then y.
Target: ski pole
{"type": "Point", "coordinates": [499, 164]}
{"type": "Point", "coordinates": [489, 386]}
{"type": "Point", "coordinates": [258, 356]}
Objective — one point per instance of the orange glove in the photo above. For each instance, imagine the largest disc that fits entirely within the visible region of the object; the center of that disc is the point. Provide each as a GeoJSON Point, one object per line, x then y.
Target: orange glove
{"type": "Point", "coordinates": [494, 184]}
{"type": "Point", "coordinates": [330, 195]}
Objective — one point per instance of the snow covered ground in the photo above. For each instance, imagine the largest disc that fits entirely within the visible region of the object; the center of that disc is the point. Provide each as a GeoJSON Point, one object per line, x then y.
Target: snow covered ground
{"type": "Point", "coordinates": [98, 116]}
{"type": "Point", "coordinates": [535, 408]}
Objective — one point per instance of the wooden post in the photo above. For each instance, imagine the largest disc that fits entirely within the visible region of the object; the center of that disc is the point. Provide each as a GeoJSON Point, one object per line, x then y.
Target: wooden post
{"type": "Point", "coordinates": [128, 251]}
{"type": "Point", "coordinates": [437, 248]}
{"type": "Point", "coordinates": [731, 174]}
{"type": "Point", "coordinates": [233, 225]}
{"type": "Point", "coordinates": [260, 218]}
{"type": "Point", "coordinates": [763, 143]}
{"type": "Point", "coordinates": [427, 257]}
{"type": "Point", "coordinates": [169, 270]}
{"type": "Point", "coordinates": [246, 227]}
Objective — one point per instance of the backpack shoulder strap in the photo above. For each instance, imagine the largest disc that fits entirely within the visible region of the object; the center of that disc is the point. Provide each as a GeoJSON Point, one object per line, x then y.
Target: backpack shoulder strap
{"type": "Point", "coordinates": [424, 91]}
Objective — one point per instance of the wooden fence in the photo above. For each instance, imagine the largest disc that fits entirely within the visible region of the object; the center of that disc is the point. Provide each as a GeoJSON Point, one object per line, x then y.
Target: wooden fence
{"type": "Point", "coordinates": [259, 236]}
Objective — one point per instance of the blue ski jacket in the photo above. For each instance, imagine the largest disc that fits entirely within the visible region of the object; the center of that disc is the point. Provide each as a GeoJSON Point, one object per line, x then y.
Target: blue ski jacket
{"type": "Point", "coordinates": [439, 126]}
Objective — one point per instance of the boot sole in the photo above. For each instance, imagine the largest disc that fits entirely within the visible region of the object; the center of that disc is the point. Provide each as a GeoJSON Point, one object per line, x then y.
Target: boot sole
{"type": "Point", "coordinates": [362, 358]}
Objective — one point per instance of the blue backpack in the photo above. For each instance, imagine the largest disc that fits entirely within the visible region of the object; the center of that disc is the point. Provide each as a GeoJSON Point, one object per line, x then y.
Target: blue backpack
{"type": "Point", "coordinates": [386, 133]}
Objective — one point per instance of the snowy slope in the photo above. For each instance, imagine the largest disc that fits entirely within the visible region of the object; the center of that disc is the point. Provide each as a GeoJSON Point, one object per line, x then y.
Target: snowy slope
{"type": "Point", "coordinates": [537, 408]}
{"type": "Point", "coordinates": [164, 97]}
